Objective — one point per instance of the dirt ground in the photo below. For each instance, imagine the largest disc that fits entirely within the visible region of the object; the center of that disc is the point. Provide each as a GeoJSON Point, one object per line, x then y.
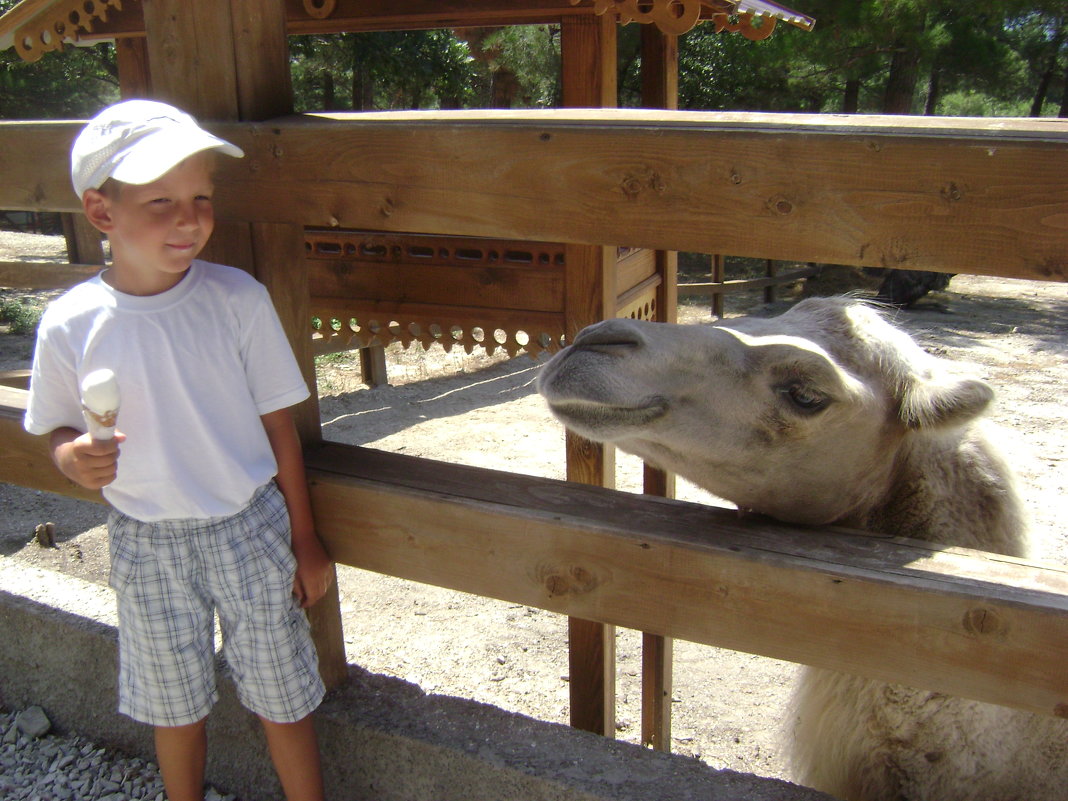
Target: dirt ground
{"type": "Point", "coordinates": [481, 410]}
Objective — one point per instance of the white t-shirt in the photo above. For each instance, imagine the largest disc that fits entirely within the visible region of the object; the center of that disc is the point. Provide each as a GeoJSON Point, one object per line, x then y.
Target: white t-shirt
{"type": "Point", "coordinates": [196, 365]}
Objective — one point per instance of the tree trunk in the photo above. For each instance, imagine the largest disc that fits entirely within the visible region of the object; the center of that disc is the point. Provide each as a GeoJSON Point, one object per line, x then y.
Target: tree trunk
{"type": "Point", "coordinates": [1047, 74]}
{"type": "Point", "coordinates": [504, 83]}
{"type": "Point", "coordinates": [851, 97]}
{"type": "Point", "coordinates": [901, 85]}
{"type": "Point", "coordinates": [363, 88]}
{"type": "Point", "coordinates": [1040, 94]}
{"type": "Point", "coordinates": [1064, 95]}
{"type": "Point", "coordinates": [329, 95]}
{"type": "Point", "coordinates": [934, 92]}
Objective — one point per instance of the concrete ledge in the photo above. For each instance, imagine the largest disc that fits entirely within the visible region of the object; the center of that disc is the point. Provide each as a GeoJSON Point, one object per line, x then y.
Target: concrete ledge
{"type": "Point", "coordinates": [382, 738]}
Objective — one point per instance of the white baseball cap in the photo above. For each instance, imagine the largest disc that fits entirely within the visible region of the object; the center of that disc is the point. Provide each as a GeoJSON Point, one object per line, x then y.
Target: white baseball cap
{"type": "Point", "coordinates": [136, 142]}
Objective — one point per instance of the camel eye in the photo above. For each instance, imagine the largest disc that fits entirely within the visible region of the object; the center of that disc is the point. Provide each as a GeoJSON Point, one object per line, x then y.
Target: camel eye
{"type": "Point", "coordinates": [805, 398]}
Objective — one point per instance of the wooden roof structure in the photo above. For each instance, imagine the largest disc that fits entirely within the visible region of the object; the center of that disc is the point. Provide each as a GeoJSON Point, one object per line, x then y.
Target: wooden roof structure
{"type": "Point", "coordinates": [35, 27]}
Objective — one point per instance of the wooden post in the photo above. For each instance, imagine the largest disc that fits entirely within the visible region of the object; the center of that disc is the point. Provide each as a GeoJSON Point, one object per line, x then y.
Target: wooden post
{"type": "Point", "coordinates": [588, 66]}
{"type": "Point", "coordinates": [131, 57]}
{"type": "Point", "coordinates": [84, 245]}
{"type": "Point", "coordinates": [590, 290]}
{"type": "Point", "coordinates": [660, 89]}
{"type": "Point", "coordinates": [229, 61]}
{"type": "Point", "coordinates": [770, 270]}
{"type": "Point", "coordinates": [718, 273]}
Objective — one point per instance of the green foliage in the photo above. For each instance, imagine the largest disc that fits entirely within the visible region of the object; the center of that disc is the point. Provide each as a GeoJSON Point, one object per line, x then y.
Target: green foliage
{"type": "Point", "coordinates": [21, 315]}
{"type": "Point", "coordinates": [532, 54]}
{"type": "Point", "coordinates": [427, 69]}
{"type": "Point", "coordinates": [386, 70]}
{"type": "Point", "coordinates": [73, 83]}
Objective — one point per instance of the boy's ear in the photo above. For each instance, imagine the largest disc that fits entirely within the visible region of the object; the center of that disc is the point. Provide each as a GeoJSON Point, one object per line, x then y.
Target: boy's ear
{"type": "Point", "coordinates": [97, 207]}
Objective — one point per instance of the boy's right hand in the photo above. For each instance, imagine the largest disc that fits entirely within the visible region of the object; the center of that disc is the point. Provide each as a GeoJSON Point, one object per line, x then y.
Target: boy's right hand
{"type": "Point", "coordinates": [89, 462]}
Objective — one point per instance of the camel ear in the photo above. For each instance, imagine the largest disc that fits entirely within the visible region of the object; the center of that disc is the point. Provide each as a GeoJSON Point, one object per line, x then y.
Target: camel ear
{"type": "Point", "coordinates": [940, 401]}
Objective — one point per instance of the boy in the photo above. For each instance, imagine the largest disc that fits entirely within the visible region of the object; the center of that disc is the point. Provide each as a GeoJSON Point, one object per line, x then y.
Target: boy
{"type": "Point", "coordinates": [210, 507]}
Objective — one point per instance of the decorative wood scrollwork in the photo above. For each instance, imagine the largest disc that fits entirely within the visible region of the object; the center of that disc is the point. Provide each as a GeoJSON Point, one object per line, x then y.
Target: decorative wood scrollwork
{"type": "Point", "coordinates": [319, 9]}
{"type": "Point", "coordinates": [670, 16]}
{"type": "Point", "coordinates": [374, 288]}
{"type": "Point", "coordinates": [47, 32]}
{"type": "Point", "coordinates": [744, 26]}
{"type": "Point", "coordinates": [679, 16]}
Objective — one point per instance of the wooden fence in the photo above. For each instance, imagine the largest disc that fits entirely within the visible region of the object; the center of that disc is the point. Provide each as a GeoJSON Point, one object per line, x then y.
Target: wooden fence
{"type": "Point", "coordinates": [979, 196]}
{"type": "Point", "coordinates": [720, 285]}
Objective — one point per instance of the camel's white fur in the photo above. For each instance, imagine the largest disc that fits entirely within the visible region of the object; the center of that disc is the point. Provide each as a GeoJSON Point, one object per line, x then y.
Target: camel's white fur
{"type": "Point", "coordinates": [828, 414]}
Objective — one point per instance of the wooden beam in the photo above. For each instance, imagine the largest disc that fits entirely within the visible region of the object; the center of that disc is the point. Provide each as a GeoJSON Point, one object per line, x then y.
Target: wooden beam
{"type": "Point", "coordinates": [131, 56]}
{"type": "Point", "coordinates": [377, 15]}
{"type": "Point", "coordinates": [25, 459]}
{"type": "Point", "coordinates": [190, 48]}
{"type": "Point", "coordinates": [362, 14]}
{"type": "Point", "coordinates": [951, 620]}
{"type": "Point", "coordinates": [892, 609]}
{"type": "Point", "coordinates": [657, 654]}
{"type": "Point", "coordinates": [588, 46]}
{"type": "Point", "coordinates": [85, 243]}
{"type": "Point", "coordinates": [261, 55]}
{"type": "Point", "coordinates": [44, 275]}
{"type": "Point", "coordinates": [657, 650]}
{"type": "Point", "coordinates": [660, 68]}
{"type": "Point", "coordinates": [959, 195]}
{"type": "Point", "coordinates": [660, 89]}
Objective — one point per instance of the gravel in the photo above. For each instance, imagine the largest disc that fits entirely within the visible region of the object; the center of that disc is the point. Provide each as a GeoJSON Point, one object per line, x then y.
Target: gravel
{"type": "Point", "coordinates": [38, 766]}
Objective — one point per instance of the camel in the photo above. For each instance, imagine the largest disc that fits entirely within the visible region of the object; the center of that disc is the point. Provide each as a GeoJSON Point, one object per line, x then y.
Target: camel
{"type": "Point", "coordinates": [828, 414]}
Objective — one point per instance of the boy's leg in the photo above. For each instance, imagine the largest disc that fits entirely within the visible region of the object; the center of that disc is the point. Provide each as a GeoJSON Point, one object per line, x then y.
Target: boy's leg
{"type": "Point", "coordinates": [181, 752]}
{"type": "Point", "coordinates": [294, 750]}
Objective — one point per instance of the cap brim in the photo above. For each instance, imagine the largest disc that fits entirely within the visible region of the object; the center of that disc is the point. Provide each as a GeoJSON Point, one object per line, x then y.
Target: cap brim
{"type": "Point", "coordinates": [159, 152]}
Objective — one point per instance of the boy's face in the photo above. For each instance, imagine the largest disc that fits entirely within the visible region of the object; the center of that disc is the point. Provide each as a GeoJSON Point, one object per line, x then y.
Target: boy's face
{"type": "Point", "coordinates": [156, 229]}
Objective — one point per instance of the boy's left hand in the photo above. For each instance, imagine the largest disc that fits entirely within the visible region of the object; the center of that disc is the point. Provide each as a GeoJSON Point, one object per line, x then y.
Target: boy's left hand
{"type": "Point", "coordinates": [315, 572]}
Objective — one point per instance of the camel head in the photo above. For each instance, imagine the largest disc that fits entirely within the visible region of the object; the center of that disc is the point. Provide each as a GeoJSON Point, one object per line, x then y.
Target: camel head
{"type": "Point", "coordinates": [802, 417]}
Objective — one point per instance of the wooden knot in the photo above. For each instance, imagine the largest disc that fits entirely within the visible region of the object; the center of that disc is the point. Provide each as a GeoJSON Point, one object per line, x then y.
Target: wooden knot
{"type": "Point", "coordinates": [951, 192]}
{"type": "Point", "coordinates": [781, 205]}
{"type": "Point", "coordinates": [561, 580]}
{"type": "Point", "coordinates": [632, 187]}
{"type": "Point", "coordinates": [983, 622]}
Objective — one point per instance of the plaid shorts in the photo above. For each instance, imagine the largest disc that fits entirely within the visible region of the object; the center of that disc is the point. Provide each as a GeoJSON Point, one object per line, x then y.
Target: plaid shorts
{"type": "Point", "coordinates": [170, 578]}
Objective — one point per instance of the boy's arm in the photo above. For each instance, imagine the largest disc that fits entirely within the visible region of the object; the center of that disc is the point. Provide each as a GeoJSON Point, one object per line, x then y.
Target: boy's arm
{"type": "Point", "coordinates": [86, 461]}
{"type": "Point", "coordinates": [315, 571]}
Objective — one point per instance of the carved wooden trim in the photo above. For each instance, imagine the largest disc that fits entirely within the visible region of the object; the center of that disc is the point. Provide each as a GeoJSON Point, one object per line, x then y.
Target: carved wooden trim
{"type": "Point", "coordinates": [424, 318]}
{"type": "Point", "coordinates": [676, 17]}
{"type": "Point", "coordinates": [670, 16]}
{"type": "Point", "coordinates": [61, 21]}
{"type": "Point", "coordinates": [744, 26]}
{"type": "Point", "coordinates": [319, 9]}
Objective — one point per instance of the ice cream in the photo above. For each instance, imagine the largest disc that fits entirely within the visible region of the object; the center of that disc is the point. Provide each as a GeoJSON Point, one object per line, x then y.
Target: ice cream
{"type": "Point", "coordinates": [100, 403]}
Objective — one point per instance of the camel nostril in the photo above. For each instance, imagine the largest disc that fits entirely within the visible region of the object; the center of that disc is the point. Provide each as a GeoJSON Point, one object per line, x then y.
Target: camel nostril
{"type": "Point", "coordinates": [610, 333]}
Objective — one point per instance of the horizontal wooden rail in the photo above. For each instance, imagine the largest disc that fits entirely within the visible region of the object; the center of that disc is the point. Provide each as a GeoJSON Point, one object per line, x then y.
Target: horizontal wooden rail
{"type": "Point", "coordinates": [24, 458]}
{"type": "Point", "coordinates": [44, 274]}
{"type": "Point", "coordinates": [951, 620]}
{"type": "Point", "coordinates": [742, 284]}
{"type": "Point", "coordinates": [985, 196]}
